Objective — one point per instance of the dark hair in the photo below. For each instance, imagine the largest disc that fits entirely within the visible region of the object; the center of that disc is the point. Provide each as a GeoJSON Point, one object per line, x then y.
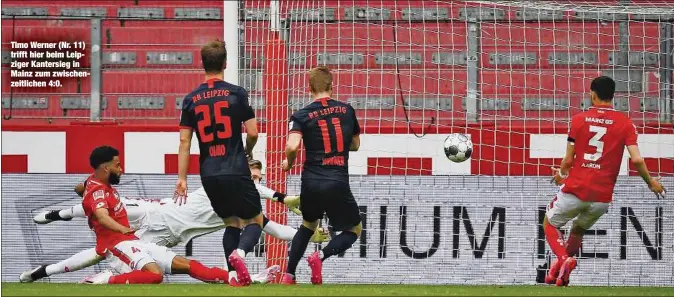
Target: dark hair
{"type": "Point", "coordinates": [102, 154]}
{"type": "Point", "coordinates": [604, 87]}
{"type": "Point", "coordinates": [255, 164]}
{"type": "Point", "coordinates": [214, 56]}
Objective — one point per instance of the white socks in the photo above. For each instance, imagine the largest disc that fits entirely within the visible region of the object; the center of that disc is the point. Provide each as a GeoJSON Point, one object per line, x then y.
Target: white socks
{"type": "Point", "coordinates": [77, 211]}
{"type": "Point", "coordinates": [76, 262]}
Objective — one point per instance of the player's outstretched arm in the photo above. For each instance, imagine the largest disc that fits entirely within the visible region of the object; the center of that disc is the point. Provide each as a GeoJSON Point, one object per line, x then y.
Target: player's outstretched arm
{"type": "Point", "coordinates": [285, 232]}
{"type": "Point", "coordinates": [639, 163]}
{"type": "Point", "coordinates": [292, 202]}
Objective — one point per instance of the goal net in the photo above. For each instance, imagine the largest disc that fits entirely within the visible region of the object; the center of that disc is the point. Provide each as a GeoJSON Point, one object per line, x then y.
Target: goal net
{"type": "Point", "coordinates": [509, 74]}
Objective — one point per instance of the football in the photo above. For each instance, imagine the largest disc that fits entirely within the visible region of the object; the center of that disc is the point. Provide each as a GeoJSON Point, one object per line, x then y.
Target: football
{"type": "Point", "coordinates": [458, 147]}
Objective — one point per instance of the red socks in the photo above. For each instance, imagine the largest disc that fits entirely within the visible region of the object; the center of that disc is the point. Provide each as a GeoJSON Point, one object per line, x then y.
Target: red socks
{"type": "Point", "coordinates": [197, 271]}
{"type": "Point", "coordinates": [207, 275]}
{"type": "Point", "coordinates": [556, 241]}
{"type": "Point", "coordinates": [573, 244]}
{"type": "Point", "coordinates": [137, 277]}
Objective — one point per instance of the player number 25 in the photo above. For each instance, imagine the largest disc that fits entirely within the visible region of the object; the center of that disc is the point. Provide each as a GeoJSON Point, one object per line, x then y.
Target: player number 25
{"type": "Point", "coordinates": [326, 135]}
{"type": "Point", "coordinates": [220, 119]}
{"type": "Point", "coordinates": [596, 142]}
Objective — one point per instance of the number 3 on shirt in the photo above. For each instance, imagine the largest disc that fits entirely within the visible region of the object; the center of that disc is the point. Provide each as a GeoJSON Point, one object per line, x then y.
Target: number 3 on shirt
{"type": "Point", "coordinates": [326, 135]}
{"type": "Point", "coordinates": [596, 142]}
{"type": "Point", "coordinates": [219, 119]}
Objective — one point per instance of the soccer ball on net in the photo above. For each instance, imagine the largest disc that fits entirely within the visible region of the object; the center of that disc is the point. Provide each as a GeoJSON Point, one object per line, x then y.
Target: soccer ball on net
{"type": "Point", "coordinates": [458, 147]}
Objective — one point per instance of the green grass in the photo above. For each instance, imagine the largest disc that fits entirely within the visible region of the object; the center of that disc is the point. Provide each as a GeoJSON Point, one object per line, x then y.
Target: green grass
{"type": "Point", "coordinates": [46, 289]}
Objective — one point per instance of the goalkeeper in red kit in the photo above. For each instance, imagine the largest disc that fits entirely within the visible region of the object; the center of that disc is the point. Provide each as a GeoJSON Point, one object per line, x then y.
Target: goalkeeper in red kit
{"type": "Point", "coordinates": [144, 262]}
{"type": "Point", "coordinates": [588, 173]}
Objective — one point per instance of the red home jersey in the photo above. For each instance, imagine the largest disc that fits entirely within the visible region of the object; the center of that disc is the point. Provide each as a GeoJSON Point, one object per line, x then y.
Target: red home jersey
{"type": "Point", "coordinates": [98, 195]}
{"type": "Point", "coordinates": [599, 136]}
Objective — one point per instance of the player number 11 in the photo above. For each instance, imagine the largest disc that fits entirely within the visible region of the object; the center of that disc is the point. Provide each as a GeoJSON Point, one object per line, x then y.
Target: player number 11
{"type": "Point", "coordinates": [596, 142]}
{"type": "Point", "coordinates": [326, 135]}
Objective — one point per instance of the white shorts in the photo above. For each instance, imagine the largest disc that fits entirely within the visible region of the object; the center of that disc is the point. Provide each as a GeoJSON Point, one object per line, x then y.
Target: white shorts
{"type": "Point", "coordinates": [565, 207]}
{"type": "Point", "coordinates": [131, 255]}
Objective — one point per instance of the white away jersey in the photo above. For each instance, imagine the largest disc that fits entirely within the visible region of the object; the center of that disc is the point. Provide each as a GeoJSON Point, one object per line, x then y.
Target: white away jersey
{"type": "Point", "coordinates": [192, 219]}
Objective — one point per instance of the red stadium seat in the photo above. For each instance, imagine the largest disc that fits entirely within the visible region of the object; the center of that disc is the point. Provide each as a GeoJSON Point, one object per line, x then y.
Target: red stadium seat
{"type": "Point", "coordinates": [590, 36]}
{"type": "Point", "coordinates": [144, 81]}
{"type": "Point", "coordinates": [177, 33]}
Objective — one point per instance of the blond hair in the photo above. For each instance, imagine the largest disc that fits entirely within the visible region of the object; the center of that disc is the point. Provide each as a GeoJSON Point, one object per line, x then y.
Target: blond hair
{"type": "Point", "coordinates": [320, 79]}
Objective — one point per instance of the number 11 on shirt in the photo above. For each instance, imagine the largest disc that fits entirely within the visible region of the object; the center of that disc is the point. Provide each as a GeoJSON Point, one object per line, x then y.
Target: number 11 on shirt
{"type": "Point", "coordinates": [327, 144]}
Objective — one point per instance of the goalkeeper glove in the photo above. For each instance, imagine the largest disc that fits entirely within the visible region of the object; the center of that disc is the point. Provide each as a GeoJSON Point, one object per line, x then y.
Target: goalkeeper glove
{"type": "Point", "coordinates": [320, 235]}
{"type": "Point", "coordinates": [293, 203]}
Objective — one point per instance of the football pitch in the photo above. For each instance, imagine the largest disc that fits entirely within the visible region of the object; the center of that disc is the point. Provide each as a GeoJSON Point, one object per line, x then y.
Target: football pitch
{"type": "Point", "coordinates": [45, 289]}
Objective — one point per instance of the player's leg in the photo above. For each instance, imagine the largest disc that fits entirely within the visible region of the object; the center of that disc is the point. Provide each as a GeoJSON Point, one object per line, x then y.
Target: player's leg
{"type": "Point", "coordinates": [585, 220]}
{"type": "Point", "coordinates": [149, 274]}
{"type": "Point", "coordinates": [136, 256]}
{"type": "Point", "coordinates": [230, 240]}
{"type": "Point", "coordinates": [312, 207]}
{"type": "Point", "coordinates": [561, 210]}
{"type": "Point", "coordinates": [78, 261]}
{"type": "Point", "coordinates": [247, 206]}
{"type": "Point", "coordinates": [266, 275]}
{"type": "Point", "coordinates": [263, 276]}
{"type": "Point", "coordinates": [344, 216]}
{"type": "Point", "coordinates": [66, 214]}
{"type": "Point", "coordinates": [215, 189]}
{"type": "Point", "coordinates": [169, 262]}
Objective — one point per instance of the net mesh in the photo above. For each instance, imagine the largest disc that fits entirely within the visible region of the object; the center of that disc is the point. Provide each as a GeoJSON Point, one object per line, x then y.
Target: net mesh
{"type": "Point", "coordinates": [508, 74]}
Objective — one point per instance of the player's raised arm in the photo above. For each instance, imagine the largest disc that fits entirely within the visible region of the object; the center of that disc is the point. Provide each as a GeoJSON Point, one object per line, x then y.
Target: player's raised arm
{"type": "Point", "coordinates": [639, 163]}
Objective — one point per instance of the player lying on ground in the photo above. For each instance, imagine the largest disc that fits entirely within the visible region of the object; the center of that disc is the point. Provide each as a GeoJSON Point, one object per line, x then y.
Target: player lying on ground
{"type": "Point", "coordinates": [143, 262]}
{"type": "Point", "coordinates": [164, 223]}
{"type": "Point", "coordinates": [330, 130]}
{"type": "Point", "coordinates": [588, 174]}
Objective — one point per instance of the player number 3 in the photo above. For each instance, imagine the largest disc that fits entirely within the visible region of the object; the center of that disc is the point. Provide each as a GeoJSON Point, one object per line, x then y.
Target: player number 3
{"type": "Point", "coordinates": [596, 142]}
{"type": "Point", "coordinates": [220, 119]}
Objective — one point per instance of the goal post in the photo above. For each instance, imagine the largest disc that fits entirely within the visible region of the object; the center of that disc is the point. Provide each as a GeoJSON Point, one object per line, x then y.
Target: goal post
{"type": "Point", "coordinates": [508, 74]}
{"type": "Point", "coordinates": [276, 115]}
